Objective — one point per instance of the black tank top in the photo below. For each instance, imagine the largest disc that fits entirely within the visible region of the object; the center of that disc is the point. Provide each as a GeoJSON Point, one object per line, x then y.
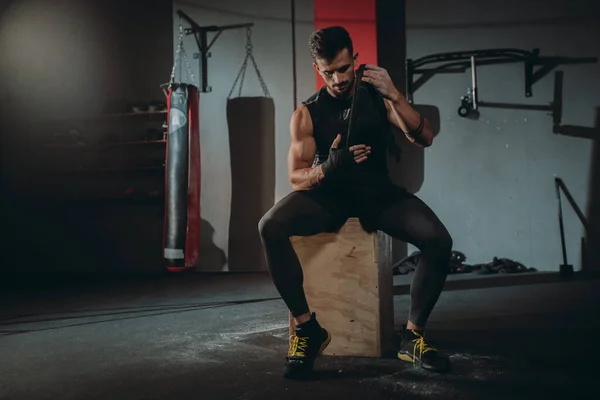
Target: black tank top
{"type": "Point", "coordinates": [331, 116]}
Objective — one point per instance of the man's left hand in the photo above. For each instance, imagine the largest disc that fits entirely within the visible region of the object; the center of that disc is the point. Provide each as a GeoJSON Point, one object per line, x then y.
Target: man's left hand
{"type": "Point", "coordinates": [380, 79]}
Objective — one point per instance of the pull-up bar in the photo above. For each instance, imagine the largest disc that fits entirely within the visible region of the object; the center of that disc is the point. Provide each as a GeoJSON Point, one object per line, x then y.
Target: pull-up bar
{"type": "Point", "coordinates": [201, 35]}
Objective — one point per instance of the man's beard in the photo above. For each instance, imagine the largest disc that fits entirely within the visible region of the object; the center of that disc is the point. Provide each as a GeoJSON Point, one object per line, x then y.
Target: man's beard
{"type": "Point", "coordinates": [346, 91]}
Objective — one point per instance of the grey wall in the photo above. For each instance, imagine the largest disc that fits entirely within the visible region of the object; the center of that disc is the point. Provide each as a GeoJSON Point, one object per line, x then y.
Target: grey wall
{"type": "Point", "coordinates": [61, 62]}
{"type": "Point", "coordinates": [64, 60]}
{"type": "Point", "coordinates": [51, 55]}
{"type": "Point", "coordinates": [491, 180]}
{"type": "Point", "coordinates": [271, 37]}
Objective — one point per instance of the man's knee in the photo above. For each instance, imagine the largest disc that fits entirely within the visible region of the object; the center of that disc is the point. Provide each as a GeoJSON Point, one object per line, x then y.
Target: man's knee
{"type": "Point", "coordinates": [269, 227]}
{"type": "Point", "coordinates": [446, 242]}
{"type": "Point", "coordinates": [441, 243]}
{"type": "Point", "coordinates": [274, 225]}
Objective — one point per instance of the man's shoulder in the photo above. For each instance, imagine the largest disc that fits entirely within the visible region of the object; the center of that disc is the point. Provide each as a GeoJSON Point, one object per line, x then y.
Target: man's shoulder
{"type": "Point", "coordinates": [314, 98]}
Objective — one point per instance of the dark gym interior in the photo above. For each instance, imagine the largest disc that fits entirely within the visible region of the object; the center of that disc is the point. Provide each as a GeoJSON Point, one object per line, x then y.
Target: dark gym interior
{"type": "Point", "coordinates": [89, 309]}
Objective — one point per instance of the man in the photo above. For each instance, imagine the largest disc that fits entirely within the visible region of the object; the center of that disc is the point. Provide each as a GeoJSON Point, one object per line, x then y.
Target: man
{"type": "Point", "coordinates": [334, 177]}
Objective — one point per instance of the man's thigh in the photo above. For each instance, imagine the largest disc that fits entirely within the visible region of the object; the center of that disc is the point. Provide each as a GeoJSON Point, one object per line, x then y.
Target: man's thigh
{"type": "Point", "coordinates": [404, 216]}
{"type": "Point", "coordinates": [306, 213]}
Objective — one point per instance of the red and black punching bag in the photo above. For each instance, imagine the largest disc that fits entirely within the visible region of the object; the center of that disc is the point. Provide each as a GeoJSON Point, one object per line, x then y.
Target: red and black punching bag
{"type": "Point", "coordinates": [182, 179]}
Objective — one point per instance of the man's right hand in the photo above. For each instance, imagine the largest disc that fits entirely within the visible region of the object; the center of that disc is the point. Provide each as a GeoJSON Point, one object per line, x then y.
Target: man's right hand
{"type": "Point", "coordinates": [342, 158]}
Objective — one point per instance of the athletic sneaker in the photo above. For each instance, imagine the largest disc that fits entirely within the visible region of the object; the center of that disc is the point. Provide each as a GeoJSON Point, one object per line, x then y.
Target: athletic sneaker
{"type": "Point", "coordinates": [415, 349]}
{"type": "Point", "coordinates": [308, 342]}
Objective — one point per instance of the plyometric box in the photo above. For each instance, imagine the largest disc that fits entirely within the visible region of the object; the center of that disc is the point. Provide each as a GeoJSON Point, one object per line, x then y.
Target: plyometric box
{"type": "Point", "coordinates": [348, 283]}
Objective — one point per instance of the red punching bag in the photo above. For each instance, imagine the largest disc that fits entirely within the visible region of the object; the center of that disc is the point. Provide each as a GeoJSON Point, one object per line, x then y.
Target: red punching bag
{"type": "Point", "coordinates": [181, 239]}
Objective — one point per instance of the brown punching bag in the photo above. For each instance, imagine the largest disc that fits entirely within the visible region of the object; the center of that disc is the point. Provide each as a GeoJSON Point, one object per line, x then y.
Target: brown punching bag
{"type": "Point", "coordinates": [251, 123]}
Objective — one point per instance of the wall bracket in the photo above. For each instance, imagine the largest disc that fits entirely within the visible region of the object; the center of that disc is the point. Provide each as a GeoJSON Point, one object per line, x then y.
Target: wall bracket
{"type": "Point", "coordinates": [459, 62]}
{"type": "Point", "coordinates": [471, 102]}
{"type": "Point", "coordinates": [201, 35]}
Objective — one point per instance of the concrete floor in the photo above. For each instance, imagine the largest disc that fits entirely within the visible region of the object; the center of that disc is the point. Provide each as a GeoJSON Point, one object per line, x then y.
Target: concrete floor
{"type": "Point", "coordinates": [216, 336]}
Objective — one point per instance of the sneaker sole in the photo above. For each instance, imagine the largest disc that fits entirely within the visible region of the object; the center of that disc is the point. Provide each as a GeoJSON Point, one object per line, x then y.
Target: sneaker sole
{"type": "Point", "coordinates": [406, 357]}
{"type": "Point", "coordinates": [325, 344]}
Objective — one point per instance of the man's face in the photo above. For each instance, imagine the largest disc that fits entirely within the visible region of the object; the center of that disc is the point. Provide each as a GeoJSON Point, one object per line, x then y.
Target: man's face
{"type": "Point", "coordinates": [338, 73]}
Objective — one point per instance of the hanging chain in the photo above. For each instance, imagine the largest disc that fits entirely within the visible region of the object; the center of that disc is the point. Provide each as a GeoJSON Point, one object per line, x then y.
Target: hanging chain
{"type": "Point", "coordinates": [249, 52]}
{"type": "Point", "coordinates": [248, 55]}
{"type": "Point", "coordinates": [181, 53]}
{"type": "Point", "coordinates": [242, 73]}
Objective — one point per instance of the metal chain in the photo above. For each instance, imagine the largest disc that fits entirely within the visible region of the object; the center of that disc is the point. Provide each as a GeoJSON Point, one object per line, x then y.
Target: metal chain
{"type": "Point", "coordinates": [260, 78]}
{"type": "Point", "coordinates": [239, 75]}
{"type": "Point", "coordinates": [181, 53]}
{"type": "Point", "coordinates": [242, 73]}
{"type": "Point", "coordinates": [248, 54]}
{"type": "Point", "coordinates": [248, 41]}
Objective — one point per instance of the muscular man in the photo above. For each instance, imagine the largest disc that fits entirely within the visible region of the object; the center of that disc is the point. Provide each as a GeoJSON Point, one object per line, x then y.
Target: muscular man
{"type": "Point", "coordinates": [334, 177]}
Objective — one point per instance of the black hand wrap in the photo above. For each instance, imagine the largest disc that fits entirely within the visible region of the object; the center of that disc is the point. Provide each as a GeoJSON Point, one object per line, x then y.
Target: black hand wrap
{"type": "Point", "coordinates": [419, 129]}
{"type": "Point", "coordinates": [338, 159]}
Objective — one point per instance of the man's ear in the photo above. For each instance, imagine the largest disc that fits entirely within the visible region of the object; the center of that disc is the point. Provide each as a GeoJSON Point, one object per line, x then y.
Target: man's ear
{"type": "Point", "coordinates": [355, 57]}
{"type": "Point", "coordinates": [316, 66]}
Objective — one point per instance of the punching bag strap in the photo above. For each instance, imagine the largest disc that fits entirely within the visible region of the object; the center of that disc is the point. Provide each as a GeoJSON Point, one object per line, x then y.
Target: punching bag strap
{"type": "Point", "coordinates": [180, 55]}
{"type": "Point", "coordinates": [242, 73]}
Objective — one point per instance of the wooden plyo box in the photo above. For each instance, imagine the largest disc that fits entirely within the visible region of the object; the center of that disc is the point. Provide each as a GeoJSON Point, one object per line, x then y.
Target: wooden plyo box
{"type": "Point", "coordinates": [348, 283]}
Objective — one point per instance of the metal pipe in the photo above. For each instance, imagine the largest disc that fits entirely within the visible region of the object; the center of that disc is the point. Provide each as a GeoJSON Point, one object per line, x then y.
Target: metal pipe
{"type": "Point", "coordinates": [560, 185]}
{"type": "Point", "coordinates": [237, 26]}
{"type": "Point", "coordinates": [562, 229]}
{"type": "Point", "coordinates": [515, 106]}
{"type": "Point", "coordinates": [474, 79]}
{"type": "Point", "coordinates": [203, 45]}
{"type": "Point", "coordinates": [294, 73]}
{"type": "Point", "coordinates": [409, 80]}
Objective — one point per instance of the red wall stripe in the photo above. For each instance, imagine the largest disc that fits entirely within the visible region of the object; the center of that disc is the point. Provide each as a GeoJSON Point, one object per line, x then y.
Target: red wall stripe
{"type": "Point", "coordinates": [358, 17]}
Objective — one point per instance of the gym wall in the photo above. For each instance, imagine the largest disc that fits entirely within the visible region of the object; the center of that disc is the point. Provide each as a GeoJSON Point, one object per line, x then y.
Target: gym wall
{"type": "Point", "coordinates": [491, 180]}
{"type": "Point", "coordinates": [61, 62]}
{"type": "Point", "coordinates": [65, 60]}
{"type": "Point", "coordinates": [221, 205]}
{"type": "Point", "coordinates": [272, 50]}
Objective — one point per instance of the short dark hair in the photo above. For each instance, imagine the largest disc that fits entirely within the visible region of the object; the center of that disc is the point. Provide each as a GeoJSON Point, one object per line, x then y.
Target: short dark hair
{"type": "Point", "coordinates": [326, 43]}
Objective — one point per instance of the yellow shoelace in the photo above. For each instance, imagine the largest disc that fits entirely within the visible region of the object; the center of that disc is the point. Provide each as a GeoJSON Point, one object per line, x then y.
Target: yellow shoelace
{"type": "Point", "coordinates": [298, 346]}
{"type": "Point", "coordinates": [421, 345]}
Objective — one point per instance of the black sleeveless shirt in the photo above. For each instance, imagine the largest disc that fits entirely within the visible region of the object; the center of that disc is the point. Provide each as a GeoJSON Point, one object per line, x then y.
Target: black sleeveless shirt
{"type": "Point", "coordinates": [331, 116]}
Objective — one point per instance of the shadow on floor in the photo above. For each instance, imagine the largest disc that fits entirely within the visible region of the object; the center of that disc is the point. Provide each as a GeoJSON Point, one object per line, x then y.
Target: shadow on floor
{"type": "Point", "coordinates": [228, 334]}
{"type": "Point", "coordinates": [123, 313]}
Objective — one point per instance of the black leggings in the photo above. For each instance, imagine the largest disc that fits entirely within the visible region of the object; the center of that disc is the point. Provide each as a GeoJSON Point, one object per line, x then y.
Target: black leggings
{"type": "Point", "coordinates": [401, 215]}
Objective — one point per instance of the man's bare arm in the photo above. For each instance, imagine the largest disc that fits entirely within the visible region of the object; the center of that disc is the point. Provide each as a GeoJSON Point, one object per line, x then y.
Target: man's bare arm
{"type": "Point", "coordinates": [302, 152]}
{"type": "Point", "coordinates": [404, 117]}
